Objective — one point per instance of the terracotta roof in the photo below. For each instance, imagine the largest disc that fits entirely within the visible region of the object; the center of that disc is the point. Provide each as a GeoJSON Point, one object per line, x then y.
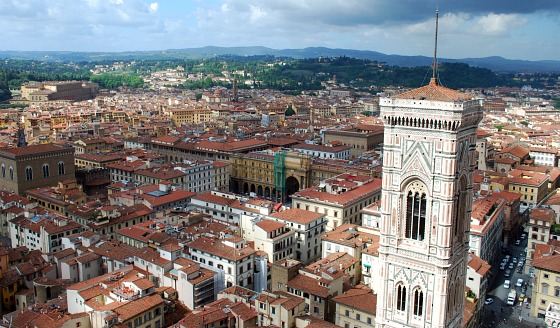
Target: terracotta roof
{"type": "Point", "coordinates": [544, 215]}
{"type": "Point", "coordinates": [346, 198]}
{"type": "Point", "coordinates": [269, 225]}
{"type": "Point", "coordinates": [434, 91]}
{"type": "Point", "coordinates": [308, 284]}
{"type": "Point", "coordinates": [218, 248]}
{"type": "Point", "coordinates": [547, 257]}
{"type": "Point", "coordinates": [34, 149]}
{"type": "Point", "coordinates": [131, 309]}
{"type": "Point", "coordinates": [297, 215]}
{"type": "Point", "coordinates": [214, 199]}
{"type": "Point", "coordinates": [479, 265]}
{"type": "Point", "coordinates": [359, 298]}
{"type": "Point", "coordinates": [516, 151]}
{"type": "Point", "coordinates": [350, 235]}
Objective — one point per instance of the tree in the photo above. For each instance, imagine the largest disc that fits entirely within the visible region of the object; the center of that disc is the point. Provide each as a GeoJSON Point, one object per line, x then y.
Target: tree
{"type": "Point", "coordinates": [289, 112]}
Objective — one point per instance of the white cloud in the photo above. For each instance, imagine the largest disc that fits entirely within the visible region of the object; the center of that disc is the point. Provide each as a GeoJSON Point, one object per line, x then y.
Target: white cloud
{"type": "Point", "coordinates": [257, 14]}
{"type": "Point", "coordinates": [498, 24]}
{"type": "Point", "coordinates": [154, 6]}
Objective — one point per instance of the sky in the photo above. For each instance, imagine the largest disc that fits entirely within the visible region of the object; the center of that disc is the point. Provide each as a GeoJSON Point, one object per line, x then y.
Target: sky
{"type": "Point", "coordinates": [514, 29]}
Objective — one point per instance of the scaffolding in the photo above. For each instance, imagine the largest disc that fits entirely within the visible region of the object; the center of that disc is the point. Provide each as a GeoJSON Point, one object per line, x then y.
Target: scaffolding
{"type": "Point", "coordinates": [280, 175]}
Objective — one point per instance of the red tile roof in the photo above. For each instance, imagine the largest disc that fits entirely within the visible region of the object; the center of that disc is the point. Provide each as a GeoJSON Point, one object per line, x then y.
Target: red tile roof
{"type": "Point", "coordinates": [297, 215]}
{"type": "Point", "coordinates": [434, 91]}
{"type": "Point", "coordinates": [359, 298]}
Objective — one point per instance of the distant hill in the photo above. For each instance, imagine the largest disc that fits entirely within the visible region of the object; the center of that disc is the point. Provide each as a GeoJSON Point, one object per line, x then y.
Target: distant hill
{"type": "Point", "coordinates": [494, 63]}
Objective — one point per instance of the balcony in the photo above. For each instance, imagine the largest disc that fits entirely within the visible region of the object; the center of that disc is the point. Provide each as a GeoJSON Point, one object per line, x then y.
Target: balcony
{"type": "Point", "coordinates": [126, 293]}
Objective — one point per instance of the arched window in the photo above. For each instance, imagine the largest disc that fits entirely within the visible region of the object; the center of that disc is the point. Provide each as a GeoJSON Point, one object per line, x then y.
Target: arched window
{"type": "Point", "coordinates": [401, 298]}
{"type": "Point", "coordinates": [28, 173]}
{"type": "Point", "coordinates": [46, 171]}
{"type": "Point", "coordinates": [458, 226]}
{"type": "Point", "coordinates": [418, 305]}
{"type": "Point", "coordinates": [3, 170]}
{"type": "Point", "coordinates": [415, 215]}
{"type": "Point", "coordinates": [61, 168]}
{"type": "Point", "coordinates": [11, 173]}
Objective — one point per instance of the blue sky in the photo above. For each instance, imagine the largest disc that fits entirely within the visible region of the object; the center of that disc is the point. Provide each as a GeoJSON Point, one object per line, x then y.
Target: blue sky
{"type": "Point", "coordinates": [515, 29]}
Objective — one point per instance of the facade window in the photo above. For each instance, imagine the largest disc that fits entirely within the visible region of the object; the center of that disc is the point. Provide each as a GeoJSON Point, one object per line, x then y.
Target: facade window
{"type": "Point", "coordinates": [401, 298]}
{"type": "Point", "coordinates": [544, 288]}
{"type": "Point", "coordinates": [418, 302]}
{"type": "Point", "coordinates": [347, 313]}
{"type": "Point", "coordinates": [46, 171]}
{"type": "Point", "coordinates": [416, 215]}
{"type": "Point", "coordinates": [61, 168]}
{"type": "Point", "coordinates": [3, 171]}
{"type": "Point", "coordinates": [28, 173]}
{"type": "Point", "coordinates": [11, 173]}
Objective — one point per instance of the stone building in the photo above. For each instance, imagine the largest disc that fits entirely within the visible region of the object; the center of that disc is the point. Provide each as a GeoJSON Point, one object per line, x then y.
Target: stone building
{"type": "Point", "coordinates": [35, 166]}
{"type": "Point", "coordinates": [36, 92]}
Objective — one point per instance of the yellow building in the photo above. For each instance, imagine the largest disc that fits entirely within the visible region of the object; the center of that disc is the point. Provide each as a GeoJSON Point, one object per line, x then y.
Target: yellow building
{"type": "Point", "coordinates": [533, 187]}
{"type": "Point", "coordinates": [355, 308]}
{"type": "Point", "coordinates": [546, 284]}
{"type": "Point", "coordinates": [270, 175]}
{"type": "Point", "coordinates": [278, 309]}
{"type": "Point", "coordinates": [190, 115]}
{"type": "Point", "coordinates": [93, 161]}
{"type": "Point", "coordinates": [9, 280]}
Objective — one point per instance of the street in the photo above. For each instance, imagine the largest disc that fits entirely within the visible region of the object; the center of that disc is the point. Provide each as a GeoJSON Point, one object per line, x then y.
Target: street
{"type": "Point", "coordinates": [499, 314]}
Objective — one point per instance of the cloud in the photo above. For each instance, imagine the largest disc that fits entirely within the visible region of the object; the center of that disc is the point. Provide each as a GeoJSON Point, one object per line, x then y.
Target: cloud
{"type": "Point", "coordinates": [403, 26]}
{"type": "Point", "coordinates": [498, 24]}
{"type": "Point", "coordinates": [154, 6]}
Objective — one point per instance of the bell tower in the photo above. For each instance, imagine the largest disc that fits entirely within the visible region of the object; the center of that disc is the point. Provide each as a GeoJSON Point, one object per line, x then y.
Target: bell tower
{"type": "Point", "coordinates": [428, 164]}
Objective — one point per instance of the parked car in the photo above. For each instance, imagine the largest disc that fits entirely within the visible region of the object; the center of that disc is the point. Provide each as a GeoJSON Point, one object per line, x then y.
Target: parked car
{"type": "Point", "coordinates": [507, 284]}
{"type": "Point", "coordinates": [514, 260]}
{"type": "Point", "coordinates": [517, 242]}
{"type": "Point", "coordinates": [519, 282]}
{"type": "Point", "coordinates": [519, 269]}
{"type": "Point", "coordinates": [507, 274]}
{"type": "Point", "coordinates": [511, 265]}
{"type": "Point", "coordinates": [489, 301]}
{"type": "Point", "coordinates": [502, 266]}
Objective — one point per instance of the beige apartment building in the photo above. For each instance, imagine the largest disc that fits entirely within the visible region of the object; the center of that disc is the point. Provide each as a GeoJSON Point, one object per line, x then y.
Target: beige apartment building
{"type": "Point", "coordinates": [340, 199]}
{"type": "Point", "coordinates": [546, 282]}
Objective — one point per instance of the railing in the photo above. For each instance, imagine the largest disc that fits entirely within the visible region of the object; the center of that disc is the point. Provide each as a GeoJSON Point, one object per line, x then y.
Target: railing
{"type": "Point", "coordinates": [128, 295]}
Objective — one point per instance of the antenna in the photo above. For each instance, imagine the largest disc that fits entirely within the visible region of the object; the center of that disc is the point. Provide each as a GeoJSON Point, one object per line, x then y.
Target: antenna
{"type": "Point", "coordinates": [434, 76]}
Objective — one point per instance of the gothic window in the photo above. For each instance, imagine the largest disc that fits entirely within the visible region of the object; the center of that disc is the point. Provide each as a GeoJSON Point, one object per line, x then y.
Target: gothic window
{"type": "Point", "coordinates": [415, 215]}
{"type": "Point", "coordinates": [46, 171]}
{"type": "Point", "coordinates": [11, 173]}
{"type": "Point", "coordinates": [461, 209]}
{"type": "Point", "coordinates": [61, 168]}
{"type": "Point", "coordinates": [401, 298]}
{"type": "Point", "coordinates": [28, 173]}
{"type": "Point", "coordinates": [418, 305]}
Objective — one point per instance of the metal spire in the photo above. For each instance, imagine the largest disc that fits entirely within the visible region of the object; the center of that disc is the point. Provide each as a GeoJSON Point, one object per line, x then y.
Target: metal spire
{"type": "Point", "coordinates": [434, 68]}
